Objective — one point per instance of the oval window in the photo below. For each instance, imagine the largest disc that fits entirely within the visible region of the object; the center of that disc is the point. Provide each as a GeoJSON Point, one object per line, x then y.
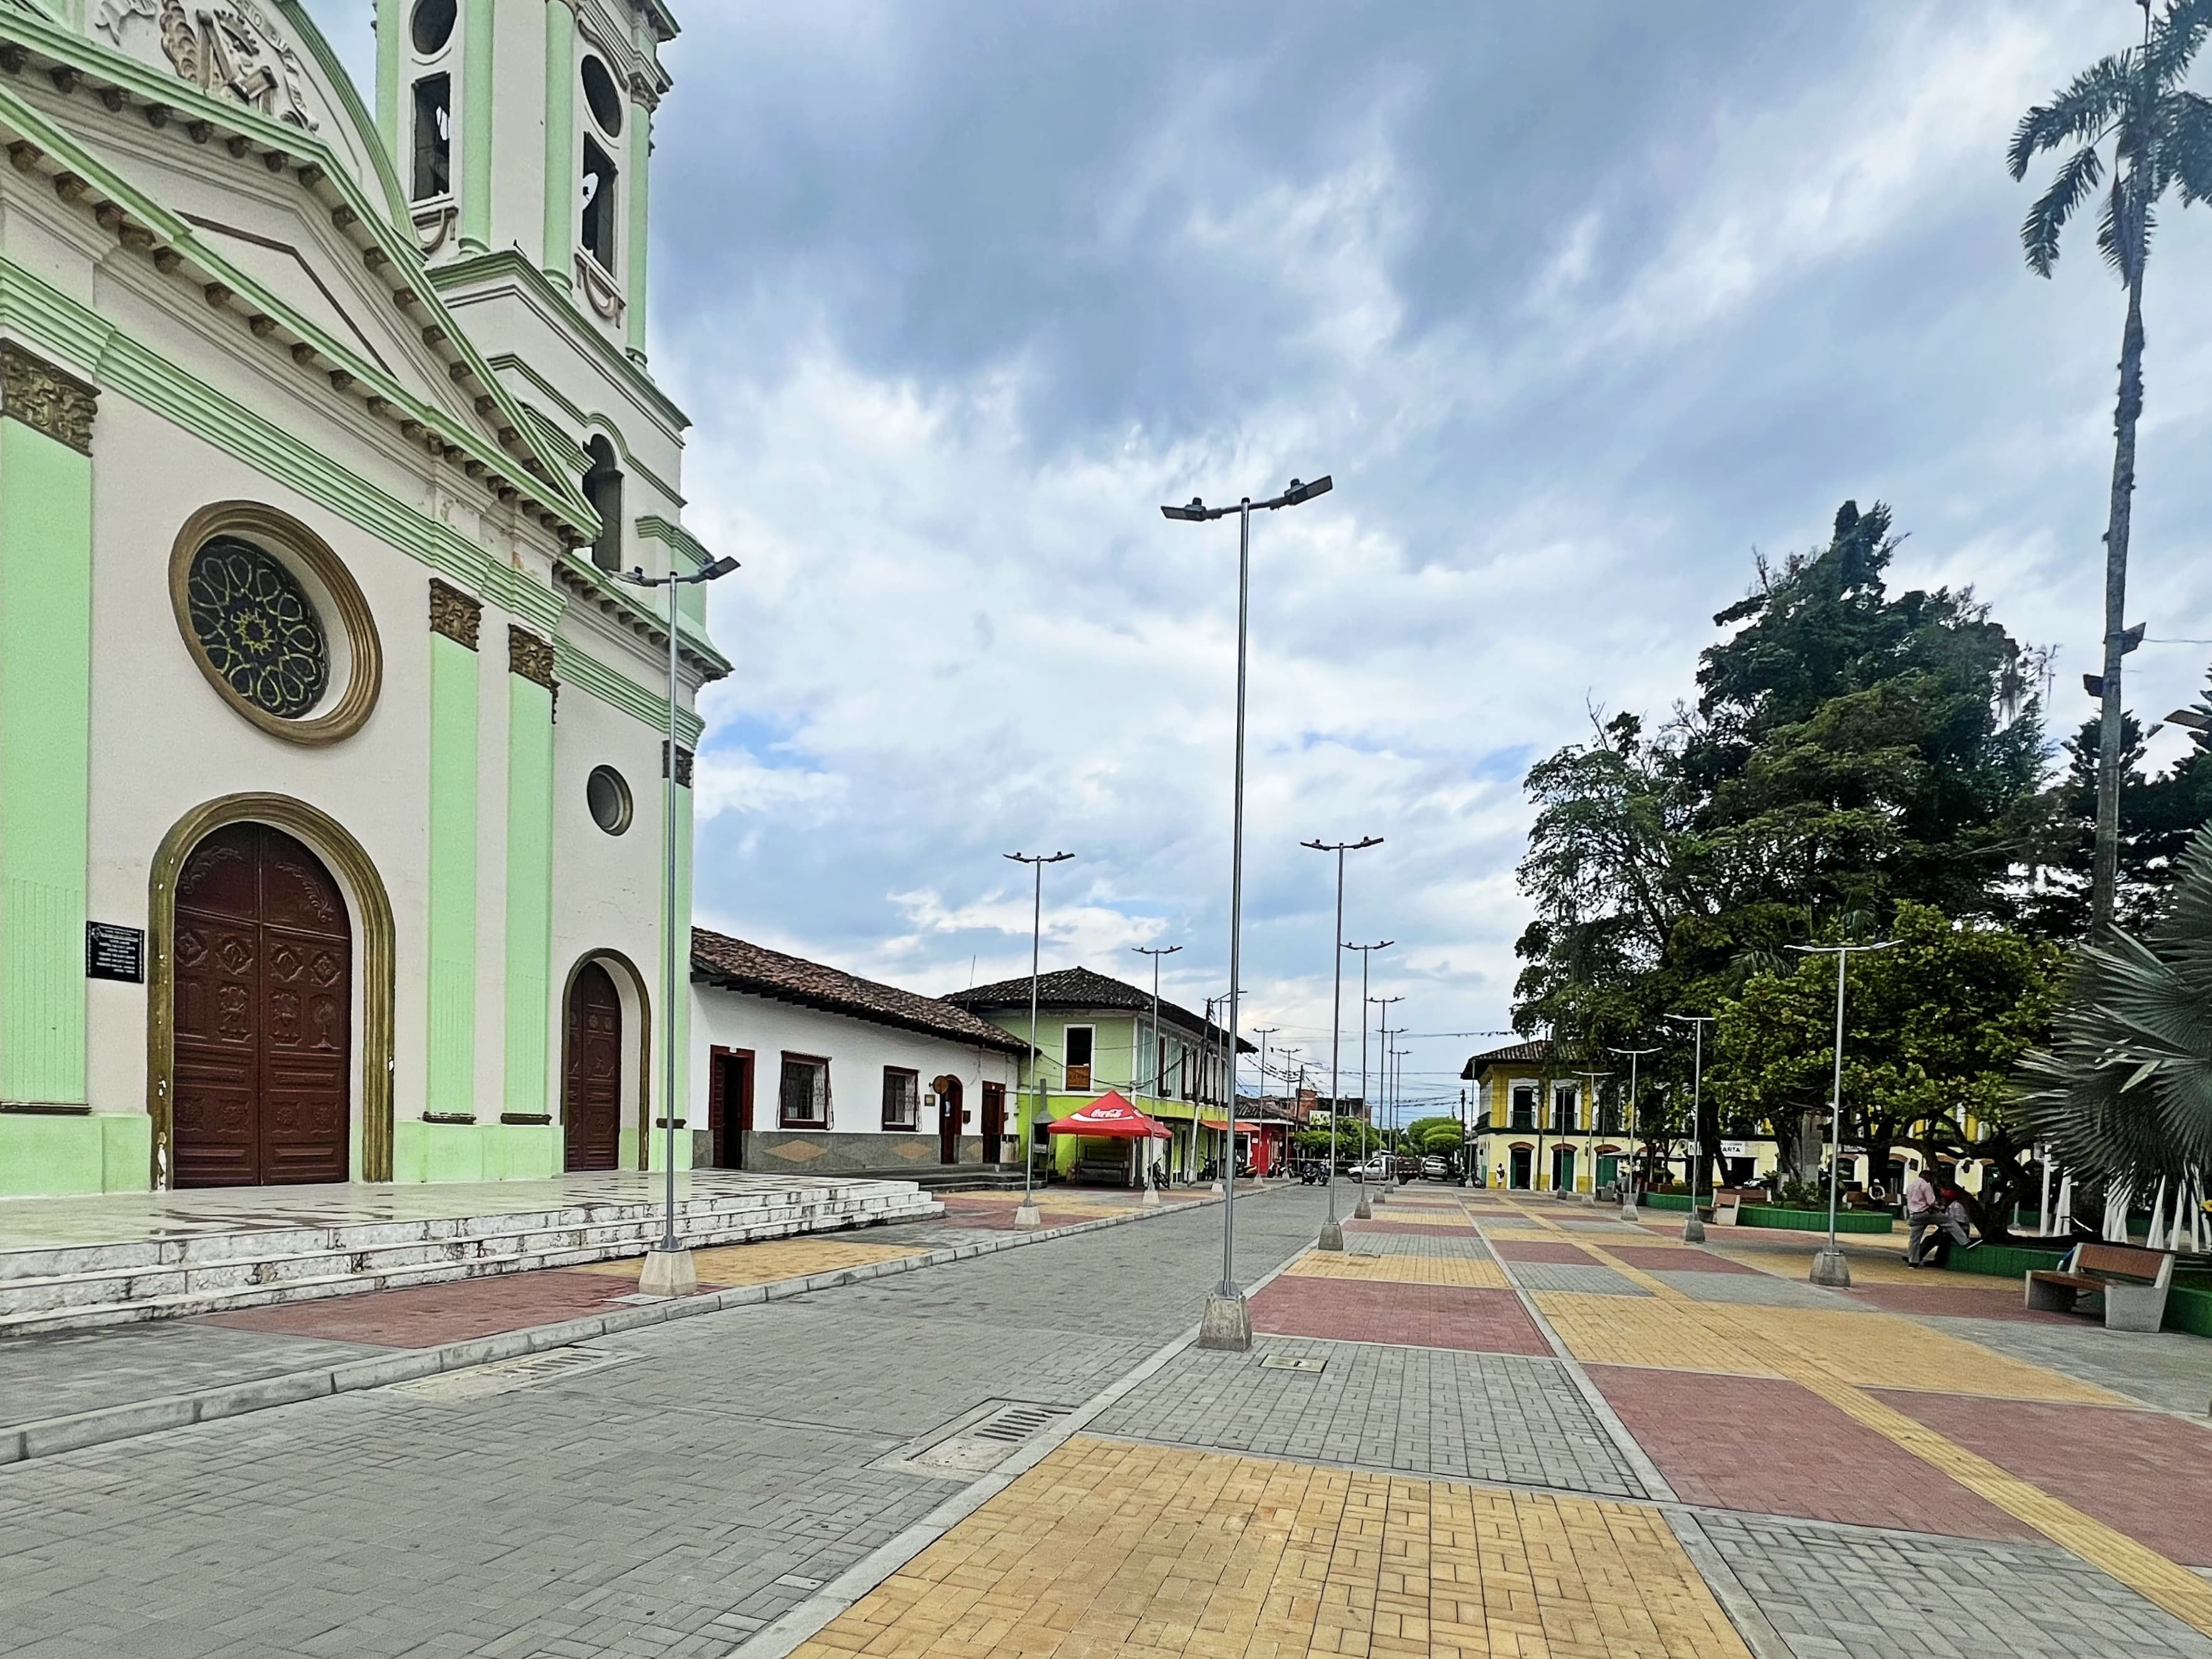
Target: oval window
{"type": "Point", "coordinates": [603, 96]}
{"type": "Point", "coordinates": [432, 26]}
{"type": "Point", "coordinates": [608, 797]}
{"type": "Point", "coordinates": [257, 627]}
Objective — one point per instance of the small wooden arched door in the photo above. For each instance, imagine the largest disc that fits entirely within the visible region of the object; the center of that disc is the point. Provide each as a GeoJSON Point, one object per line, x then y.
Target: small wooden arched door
{"type": "Point", "coordinates": [263, 1009]}
{"type": "Point", "coordinates": [949, 1116]}
{"type": "Point", "coordinates": [591, 1092]}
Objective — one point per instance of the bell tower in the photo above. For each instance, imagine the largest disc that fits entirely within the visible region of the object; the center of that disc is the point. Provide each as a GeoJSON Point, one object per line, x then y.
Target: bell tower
{"type": "Point", "coordinates": [528, 125]}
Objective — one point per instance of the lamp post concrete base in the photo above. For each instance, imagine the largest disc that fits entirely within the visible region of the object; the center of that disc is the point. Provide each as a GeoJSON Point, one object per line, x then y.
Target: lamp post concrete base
{"type": "Point", "coordinates": [1363, 1211]}
{"type": "Point", "coordinates": [668, 1273]}
{"type": "Point", "coordinates": [1150, 1200]}
{"type": "Point", "coordinates": [1227, 1325]}
{"type": "Point", "coordinates": [1026, 1216]}
{"type": "Point", "coordinates": [1383, 1193]}
{"type": "Point", "coordinates": [1332, 1234]}
{"type": "Point", "coordinates": [1215, 1188]}
{"type": "Point", "coordinates": [1832, 1270]}
{"type": "Point", "coordinates": [1694, 1230]}
{"type": "Point", "coordinates": [1628, 1208]}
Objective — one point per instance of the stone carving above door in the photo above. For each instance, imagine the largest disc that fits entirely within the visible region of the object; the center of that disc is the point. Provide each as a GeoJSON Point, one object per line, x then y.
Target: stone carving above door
{"type": "Point", "coordinates": [232, 49]}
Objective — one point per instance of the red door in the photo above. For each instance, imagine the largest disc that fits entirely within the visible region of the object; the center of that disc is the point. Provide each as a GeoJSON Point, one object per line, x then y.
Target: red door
{"type": "Point", "coordinates": [948, 1120]}
{"type": "Point", "coordinates": [994, 1121]}
{"type": "Point", "coordinates": [263, 1014]}
{"type": "Point", "coordinates": [590, 1093]}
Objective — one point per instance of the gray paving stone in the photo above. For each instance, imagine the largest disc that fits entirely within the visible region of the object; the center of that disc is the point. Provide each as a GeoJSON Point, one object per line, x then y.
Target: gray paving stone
{"type": "Point", "coordinates": [56, 1376]}
{"type": "Point", "coordinates": [1760, 1289]}
{"type": "Point", "coordinates": [1380, 1240]}
{"type": "Point", "coordinates": [1426, 1411]}
{"type": "Point", "coordinates": [626, 1510]}
{"type": "Point", "coordinates": [2167, 1369]}
{"type": "Point", "coordinates": [1840, 1590]}
{"type": "Point", "coordinates": [1563, 1276]}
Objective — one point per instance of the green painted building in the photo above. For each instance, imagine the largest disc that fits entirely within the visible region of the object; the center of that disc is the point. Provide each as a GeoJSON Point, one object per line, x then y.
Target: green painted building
{"type": "Point", "coordinates": [1095, 1033]}
{"type": "Point", "coordinates": [333, 756]}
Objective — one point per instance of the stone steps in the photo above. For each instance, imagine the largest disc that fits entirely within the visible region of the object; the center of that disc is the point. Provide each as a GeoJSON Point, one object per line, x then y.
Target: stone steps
{"type": "Point", "coordinates": [69, 1287]}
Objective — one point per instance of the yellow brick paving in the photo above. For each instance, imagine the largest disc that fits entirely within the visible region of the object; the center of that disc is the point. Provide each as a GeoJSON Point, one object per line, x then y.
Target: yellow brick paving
{"type": "Point", "coordinates": [768, 1261]}
{"type": "Point", "coordinates": [1400, 1270]}
{"type": "Point", "coordinates": [1111, 1548]}
{"type": "Point", "coordinates": [1833, 1362]}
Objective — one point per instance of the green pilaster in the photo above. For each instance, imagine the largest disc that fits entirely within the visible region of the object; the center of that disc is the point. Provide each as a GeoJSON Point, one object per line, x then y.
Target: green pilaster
{"type": "Point", "coordinates": [391, 30]}
{"type": "Point", "coordinates": [475, 125]}
{"type": "Point", "coordinates": [560, 175]}
{"type": "Point", "coordinates": [453, 883]}
{"type": "Point", "coordinates": [640, 168]}
{"type": "Point", "coordinates": [46, 719]}
{"type": "Point", "coordinates": [529, 893]}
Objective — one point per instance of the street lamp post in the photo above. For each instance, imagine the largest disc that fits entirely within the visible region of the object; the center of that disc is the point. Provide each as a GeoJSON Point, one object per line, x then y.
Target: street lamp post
{"type": "Point", "coordinates": [1228, 1321]}
{"type": "Point", "coordinates": [1332, 1230]}
{"type": "Point", "coordinates": [1590, 1080]}
{"type": "Point", "coordinates": [1829, 1267]}
{"type": "Point", "coordinates": [1694, 1230]}
{"type": "Point", "coordinates": [1365, 1211]}
{"type": "Point", "coordinates": [1366, 951]}
{"type": "Point", "coordinates": [1260, 1123]}
{"type": "Point", "coordinates": [668, 1269]}
{"type": "Point", "coordinates": [1635, 1142]}
{"type": "Point", "coordinates": [1025, 1213]}
{"type": "Point", "coordinates": [1159, 1069]}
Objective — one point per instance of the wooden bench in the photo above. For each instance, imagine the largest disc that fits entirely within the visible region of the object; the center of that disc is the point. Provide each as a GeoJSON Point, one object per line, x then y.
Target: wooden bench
{"type": "Point", "coordinates": [2132, 1281]}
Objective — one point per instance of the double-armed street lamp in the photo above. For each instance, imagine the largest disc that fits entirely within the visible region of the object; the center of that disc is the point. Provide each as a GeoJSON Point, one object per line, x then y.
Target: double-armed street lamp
{"type": "Point", "coordinates": [1026, 1215]}
{"type": "Point", "coordinates": [1829, 1266]}
{"type": "Point", "coordinates": [1228, 1321]}
{"type": "Point", "coordinates": [1332, 1230]}
{"type": "Point", "coordinates": [1364, 1210]}
{"type": "Point", "coordinates": [1694, 1230]}
{"type": "Point", "coordinates": [668, 1268]}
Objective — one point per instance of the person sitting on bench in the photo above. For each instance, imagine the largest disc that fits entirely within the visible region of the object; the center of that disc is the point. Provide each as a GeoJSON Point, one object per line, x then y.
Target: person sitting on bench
{"type": "Point", "coordinates": [1948, 1217]}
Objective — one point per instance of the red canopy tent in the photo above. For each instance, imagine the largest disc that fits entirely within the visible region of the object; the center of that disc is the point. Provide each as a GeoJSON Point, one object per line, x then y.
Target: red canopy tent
{"type": "Point", "coordinates": [1110, 1117]}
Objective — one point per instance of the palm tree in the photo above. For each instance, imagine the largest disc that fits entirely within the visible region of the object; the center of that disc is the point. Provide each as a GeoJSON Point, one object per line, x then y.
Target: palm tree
{"type": "Point", "coordinates": [2125, 1087]}
{"type": "Point", "coordinates": [2160, 135]}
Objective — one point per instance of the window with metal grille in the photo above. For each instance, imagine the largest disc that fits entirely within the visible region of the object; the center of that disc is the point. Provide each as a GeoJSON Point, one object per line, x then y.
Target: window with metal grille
{"type": "Point", "coordinates": [804, 1102]}
{"type": "Point", "coordinates": [901, 1099]}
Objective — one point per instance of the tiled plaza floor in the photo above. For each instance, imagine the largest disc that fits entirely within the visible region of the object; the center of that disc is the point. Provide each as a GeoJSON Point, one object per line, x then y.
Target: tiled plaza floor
{"type": "Point", "coordinates": [1506, 1428]}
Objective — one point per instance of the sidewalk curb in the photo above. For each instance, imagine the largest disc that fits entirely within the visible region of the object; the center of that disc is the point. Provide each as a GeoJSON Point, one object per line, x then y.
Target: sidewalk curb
{"type": "Point", "coordinates": [781, 1637]}
{"type": "Point", "coordinates": [46, 1437]}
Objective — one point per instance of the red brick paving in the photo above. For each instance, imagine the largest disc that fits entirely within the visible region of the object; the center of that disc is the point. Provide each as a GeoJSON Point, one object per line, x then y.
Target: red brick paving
{"type": "Point", "coordinates": [423, 1315]}
{"type": "Point", "coordinates": [1655, 1258]}
{"type": "Point", "coordinates": [1957, 1301]}
{"type": "Point", "coordinates": [1413, 1316]}
{"type": "Point", "coordinates": [1543, 1250]}
{"type": "Point", "coordinates": [1772, 1447]}
{"type": "Point", "coordinates": [2137, 1470]}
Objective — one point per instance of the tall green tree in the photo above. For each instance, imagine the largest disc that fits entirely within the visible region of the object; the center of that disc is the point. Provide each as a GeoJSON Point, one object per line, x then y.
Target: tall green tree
{"type": "Point", "coordinates": [1934, 1027]}
{"type": "Point", "coordinates": [2159, 134]}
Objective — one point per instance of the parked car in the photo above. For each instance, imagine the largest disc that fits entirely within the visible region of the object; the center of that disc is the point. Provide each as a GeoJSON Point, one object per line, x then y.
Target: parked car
{"type": "Point", "coordinates": [1437, 1169]}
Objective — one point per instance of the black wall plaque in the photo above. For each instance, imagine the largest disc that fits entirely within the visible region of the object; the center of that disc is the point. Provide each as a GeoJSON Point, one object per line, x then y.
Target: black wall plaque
{"type": "Point", "coordinates": [114, 952]}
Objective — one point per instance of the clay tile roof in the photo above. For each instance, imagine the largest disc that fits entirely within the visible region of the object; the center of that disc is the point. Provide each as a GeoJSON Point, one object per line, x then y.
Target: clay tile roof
{"type": "Point", "coordinates": [736, 965]}
{"type": "Point", "coordinates": [1081, 988]}
{"type": "Point", "coordinates": [1513, 1053]}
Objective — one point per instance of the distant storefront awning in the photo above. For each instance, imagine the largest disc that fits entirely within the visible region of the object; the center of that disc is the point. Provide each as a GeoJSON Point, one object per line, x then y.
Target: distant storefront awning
{"type": "Point", "coordinates": [1111, 1117]}
{"type": "Point", "coordinates": [1245, 1126]}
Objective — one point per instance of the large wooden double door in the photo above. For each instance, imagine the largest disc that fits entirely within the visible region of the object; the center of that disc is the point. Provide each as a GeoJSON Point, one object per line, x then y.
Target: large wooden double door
{"type": "Point", "coordinates": [263, 1014]}
{"type": "Point", "coordinates": [590, 1091]}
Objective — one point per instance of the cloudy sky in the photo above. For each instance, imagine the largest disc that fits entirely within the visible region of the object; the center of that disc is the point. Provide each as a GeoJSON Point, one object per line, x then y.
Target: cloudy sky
{"type": "Point", "coordinates": [1580, 306]}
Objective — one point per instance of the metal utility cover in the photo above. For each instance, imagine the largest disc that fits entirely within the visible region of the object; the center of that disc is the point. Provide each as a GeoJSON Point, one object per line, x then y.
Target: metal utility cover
{"type": "Point", "coordinates": [1285, 1361]}
{"type": "Point", "coordinates": [978, 1442]}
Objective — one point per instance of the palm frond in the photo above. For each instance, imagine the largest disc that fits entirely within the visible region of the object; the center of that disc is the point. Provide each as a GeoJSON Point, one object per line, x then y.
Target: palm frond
{"type": "Point", "coordinates": [2184, 148]}
{"type": "Point", "coordinates": [2047, 219]}
{"type": "Point", "coordinates": [2125, 1087]}
{"type": "Point", "coordinates": [2124, 223]}
{"type": "Point", "coordinates": [2087, 104]}
{"type": "Point", "coordinates": [2176, 40]}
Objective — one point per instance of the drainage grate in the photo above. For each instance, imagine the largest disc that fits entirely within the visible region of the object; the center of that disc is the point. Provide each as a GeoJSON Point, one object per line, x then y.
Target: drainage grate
{"type": "Point", "coordinates": [1285, 1362]}
{"type": "Point", "coordinates": [506, 1375]}
{"type": "Point", "coordinates": [978, 1441]}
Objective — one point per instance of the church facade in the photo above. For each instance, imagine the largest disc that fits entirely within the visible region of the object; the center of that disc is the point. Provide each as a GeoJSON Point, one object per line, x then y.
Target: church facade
{"type": "Point", "coordinates": [333, 752]}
